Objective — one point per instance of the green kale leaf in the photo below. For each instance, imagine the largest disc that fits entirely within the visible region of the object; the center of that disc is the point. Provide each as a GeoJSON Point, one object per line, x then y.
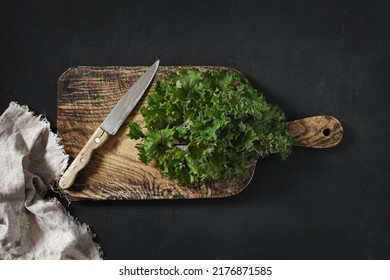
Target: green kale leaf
{"type": "Point", "coordinates": [202, 126]}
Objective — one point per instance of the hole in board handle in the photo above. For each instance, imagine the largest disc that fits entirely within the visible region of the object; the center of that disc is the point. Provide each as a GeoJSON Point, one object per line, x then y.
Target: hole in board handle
{"type": "Point", "coordinates": [326, 132]}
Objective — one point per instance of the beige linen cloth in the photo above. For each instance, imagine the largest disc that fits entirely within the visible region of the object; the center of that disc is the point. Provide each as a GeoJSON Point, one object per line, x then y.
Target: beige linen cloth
{"type": "Point", "coordinates": [31, 226]}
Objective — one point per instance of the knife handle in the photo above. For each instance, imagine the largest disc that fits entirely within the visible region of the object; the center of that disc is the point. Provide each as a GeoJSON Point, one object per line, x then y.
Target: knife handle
{"type": "Point", "coordinates": [316, 132]}
{"type": "Point", "coordinates": [98, 138]}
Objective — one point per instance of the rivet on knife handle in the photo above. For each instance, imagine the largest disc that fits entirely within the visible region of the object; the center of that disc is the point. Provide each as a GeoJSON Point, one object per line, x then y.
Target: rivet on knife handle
{"type": "Point", "coordinates": [316, 132]}
{"type": "Point", "coordinates": [98, 138]}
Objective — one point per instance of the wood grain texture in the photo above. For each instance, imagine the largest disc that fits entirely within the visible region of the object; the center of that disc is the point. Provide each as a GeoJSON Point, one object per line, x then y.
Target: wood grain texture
{"type": "Point", "coordinates": [98, 138]}
{"type": "Point", "coordinates": [85, 97]}
{"type": "Point", "coordinates": [316, 132]}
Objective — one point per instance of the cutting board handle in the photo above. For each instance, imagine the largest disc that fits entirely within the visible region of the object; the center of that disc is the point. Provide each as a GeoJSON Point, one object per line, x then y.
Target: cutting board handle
{"type": "Point", "coordinates": [316, 132]}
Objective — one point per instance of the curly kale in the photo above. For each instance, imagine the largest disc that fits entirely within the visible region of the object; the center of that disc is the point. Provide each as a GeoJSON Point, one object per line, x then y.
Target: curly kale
{"type": "Point", "coordinates": [222, 122]}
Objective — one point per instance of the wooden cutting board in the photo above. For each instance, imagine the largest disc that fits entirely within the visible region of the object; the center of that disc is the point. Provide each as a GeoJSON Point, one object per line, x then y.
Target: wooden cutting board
{"type": "Point", "coordinates": [86, 95]}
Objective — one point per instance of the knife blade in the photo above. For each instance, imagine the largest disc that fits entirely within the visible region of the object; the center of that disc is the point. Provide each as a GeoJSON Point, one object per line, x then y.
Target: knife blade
{"type": "Point", "coordinates": [109, 126]}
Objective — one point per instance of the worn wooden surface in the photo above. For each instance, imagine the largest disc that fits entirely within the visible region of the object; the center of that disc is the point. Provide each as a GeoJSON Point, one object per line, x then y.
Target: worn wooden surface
{"type": "Point", "coordinates": [98, 138]}
{"type": "Point", "coordinates": [87, 94]}
{"type": "Point", "coordinates": [316, 132]}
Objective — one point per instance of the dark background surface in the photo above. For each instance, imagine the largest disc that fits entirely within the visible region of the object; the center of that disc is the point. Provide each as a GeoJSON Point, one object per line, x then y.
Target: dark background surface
{"type": "Point", "coordinates": [309, 57]}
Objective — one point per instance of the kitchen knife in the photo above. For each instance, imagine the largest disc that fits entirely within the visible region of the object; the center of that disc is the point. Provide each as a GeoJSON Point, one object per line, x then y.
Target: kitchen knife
{"type": "Point", "coordinates": [109, 126]}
